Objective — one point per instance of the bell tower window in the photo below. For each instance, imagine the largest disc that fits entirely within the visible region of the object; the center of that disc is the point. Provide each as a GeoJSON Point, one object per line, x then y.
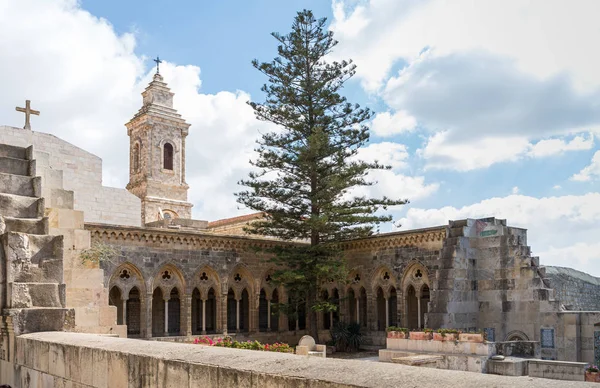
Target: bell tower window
{"type": "Point", "coordinates": [168, 156]}
{"type": "Point", "coordinates": [136, 157]}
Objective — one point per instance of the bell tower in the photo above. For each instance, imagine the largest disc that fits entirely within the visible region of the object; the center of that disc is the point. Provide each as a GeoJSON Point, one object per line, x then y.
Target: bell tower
{"type": "Point", "coordinates": [157, 155]}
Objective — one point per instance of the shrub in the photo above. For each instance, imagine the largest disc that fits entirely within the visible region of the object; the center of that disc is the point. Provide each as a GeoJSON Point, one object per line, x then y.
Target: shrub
{"type": "Point", "coordinates": [443, 332]}
{"type": "Point", "coordinates": [592, 369]}
{"type": "Point", "coordinates": [228, 342]}
{"type": "Point", "coordinates": [346, 336]}
{"type": "Point", "coordinates": [396, 328]}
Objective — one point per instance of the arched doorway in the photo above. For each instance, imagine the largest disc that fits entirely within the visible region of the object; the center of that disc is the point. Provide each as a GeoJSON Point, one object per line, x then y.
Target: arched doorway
{"type": "Point", "coordinates": [326, 314]}
{"type": "Point", "coordinates": [274, 318]}
{"type": "Point", "coordinates": [174, 313]}
{"type": "Point", "coordinates": [231, 311]}
{"type": "Point", "coordinates": [211, 311]}
{"type": "Point", "coordinates": [424, 300]}
{"type": "Point", "coordinates": [363, 307]}
{"type": "Point", "coordinates": [158, 313]}
{"type": "Point", "coordinates": [412, 309]}
{"type": "Point", "coordinates": [134, 307]}
{"type": "Point", "coordinates": [381, 310]}
{"type": "Point", "coordinates": [263, 311]}
{"type": "Point", "coordinates": [196, 312]}
{"type": "Point", "coordinates": [351, 306]}
{"type": "Point", "coordinates": [393, 307]}
{"type": "Point", "coordinates": [115, 299]}
{"type": "Point", "coordinates": [336, 301]}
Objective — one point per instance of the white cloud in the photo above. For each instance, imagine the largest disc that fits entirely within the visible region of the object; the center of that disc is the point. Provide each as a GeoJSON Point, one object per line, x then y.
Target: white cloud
{"type": "Point", "coordinates": [378, 33]}
{"type": "Point", "coordinates": [515, 190]}
{"type": "Point", "coordinates": [386, 153]}
{"type": "Point", "coordinates": [442, 153]}
{"type": "Point", "coordinates": [385, 124]}
{"type": "Point", "coordinates": [590, 172]}
{"type": "Point", "coordinates": [557, 187]}
{"type": "Point", "coordinates": [558, 226]}
{"type": "Point", "coordinates": [550, 147]}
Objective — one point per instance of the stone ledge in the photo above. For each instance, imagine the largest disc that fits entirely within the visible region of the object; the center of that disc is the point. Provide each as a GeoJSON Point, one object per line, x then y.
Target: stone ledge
{"type": "Point", "coordinates": [106, 361]}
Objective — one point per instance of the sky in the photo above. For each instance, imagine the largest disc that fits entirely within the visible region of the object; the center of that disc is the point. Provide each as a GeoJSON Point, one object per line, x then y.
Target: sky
{"type": "Point", "coordinates": [482, 108]}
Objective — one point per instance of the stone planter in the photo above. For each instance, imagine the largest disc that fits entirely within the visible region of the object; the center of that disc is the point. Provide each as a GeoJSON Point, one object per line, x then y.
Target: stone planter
{"type": "Point", "coordinates": [592, 377]}
{"type": "Point", "coordinates": [420, 336]}
{"type": "Point", "coordinates": [396, 334]}
{"type": "Point", "coordinates": [446, 337]}
{"type": "Point", "coordinates": [470, 337]}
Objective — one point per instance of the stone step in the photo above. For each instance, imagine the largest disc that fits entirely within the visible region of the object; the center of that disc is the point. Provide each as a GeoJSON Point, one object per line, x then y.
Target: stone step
{"type": "Point", "coordinates": [19, 206]}
{"type": "Point", "coordinates": [33, 258]}
{"type": "Point", "coordinates": [15, 166]}
{"type": "Point", "coordinates": [20, 185]}
{"type": "Point", "coordinates": [24, 225]}
{"type": "Point", "coordinates": [13, 151]}
{"type": "Point", "coordinates": [27, 295]}
{"type": "Point", "coordinates": [36, 319]}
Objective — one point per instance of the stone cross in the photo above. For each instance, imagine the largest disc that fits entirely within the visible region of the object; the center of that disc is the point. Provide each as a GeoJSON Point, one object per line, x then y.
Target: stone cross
{"type": "Point", "coordinates": [28, 111]}
{"type": "Point", "coordinates": [158, 62]}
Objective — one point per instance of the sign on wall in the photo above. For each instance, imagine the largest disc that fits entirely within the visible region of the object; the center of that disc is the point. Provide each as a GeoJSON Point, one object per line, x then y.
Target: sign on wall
{"type": "Point", "coordinates": [547, 338]}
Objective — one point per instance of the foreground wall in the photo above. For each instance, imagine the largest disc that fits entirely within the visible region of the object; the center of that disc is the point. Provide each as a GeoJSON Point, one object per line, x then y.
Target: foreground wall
{"type": "Point", "coordinates": [84, 360]}
{"type": "Point", "coordinates": [81, 172]}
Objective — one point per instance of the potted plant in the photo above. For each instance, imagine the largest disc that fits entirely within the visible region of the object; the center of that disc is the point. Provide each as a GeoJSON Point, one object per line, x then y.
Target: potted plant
{"type": "Point", "coordinates": [591, 374]}
{"type": "Point", "coordinates": [446, 335]}
{"type": "Point", "coordinates": [397, 332]}
{"type": "Point", "coordinates": [424, 335]}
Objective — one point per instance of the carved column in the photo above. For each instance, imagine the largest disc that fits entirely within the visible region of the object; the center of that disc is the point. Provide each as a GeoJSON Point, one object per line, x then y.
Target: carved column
{"type": "Point", "coordinates": [419, 312]}
{"type": "Point", "coordinates": [124, 316]}
{"type": "Point", "coordinates": [268, 314]}
{"type": "Point", "coordinates": [188, 315]}
{"type": "Point", "coordinates": [204, 316]}
{"type": "Point", "coordinates": [148, 315]}
{"type": "Point", "coordinates": [387, 312]}
{"type": "Point", "coordinates": [166, 317]}
{"type": "Point", "coordinates": [237, 315]}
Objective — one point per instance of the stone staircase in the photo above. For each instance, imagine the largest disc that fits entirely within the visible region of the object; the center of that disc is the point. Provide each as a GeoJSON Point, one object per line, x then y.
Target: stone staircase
{"type": "Point", "coordinates": [32, 292]}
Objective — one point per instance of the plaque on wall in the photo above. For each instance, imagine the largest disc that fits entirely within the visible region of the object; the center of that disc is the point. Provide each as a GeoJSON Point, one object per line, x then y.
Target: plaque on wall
{"type": "Point", "coordinates": [490, 334]}
{"type": "Point", "coordinates": [547, 338]}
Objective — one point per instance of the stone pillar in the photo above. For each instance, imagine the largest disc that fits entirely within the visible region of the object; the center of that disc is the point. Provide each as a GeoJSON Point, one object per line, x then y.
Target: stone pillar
{"type": "Point", "coordinates": [203, 316]}
{"type": "Point", "coordinates": [188, 315]}
{"type": "Point", "coordinates": [237, 315]}
{"type": "Point", "coordinates": [358, 310]}
{"type": "Point", "coordinates": [124, 312]}
{"type": "Point", "coordinates": [223, 315]}
{"type": "Point", "coordinates": [419, 312]}
{"type": "Point", "coordinates": [268, 314]}
{"type": "Point", "coordinates": [166, 317]}
{"type": "Point", "coordinates": [148, 315]}
{"type": "Point", "coordinates": [387, 312]}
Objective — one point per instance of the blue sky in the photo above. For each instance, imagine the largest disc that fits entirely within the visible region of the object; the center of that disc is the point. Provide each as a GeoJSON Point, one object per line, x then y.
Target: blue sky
{"type": "Point", "coordinates": [483, 108]}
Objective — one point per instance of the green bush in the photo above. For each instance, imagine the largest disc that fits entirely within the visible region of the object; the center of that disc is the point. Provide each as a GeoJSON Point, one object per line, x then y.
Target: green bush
{"type": "Point", "coordinates": [346, 336]}
{"type": "Point", "coordinates": [396, 328]}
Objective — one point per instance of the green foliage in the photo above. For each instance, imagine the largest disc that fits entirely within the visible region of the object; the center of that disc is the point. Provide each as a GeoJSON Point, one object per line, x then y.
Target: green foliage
{"type": "Point", "coordinates": [427, 330]}
{"type": "Point", "coordinates": [228, 342]}
{"type": "Point", "coordinates": [396, 328]}
{"type": "Point", "coordinates": [98, 253]}
{"type": "Point", "coordinates": [346, 336]}
{"type": "Point", "coordinates": [443, 332]}
{"type": "Point", "coordinates": [306, 171]}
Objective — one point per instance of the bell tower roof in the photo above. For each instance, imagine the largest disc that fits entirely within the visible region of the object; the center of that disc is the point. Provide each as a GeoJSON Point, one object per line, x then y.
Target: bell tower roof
{"type": "Point", "coordinates": [158, 103]}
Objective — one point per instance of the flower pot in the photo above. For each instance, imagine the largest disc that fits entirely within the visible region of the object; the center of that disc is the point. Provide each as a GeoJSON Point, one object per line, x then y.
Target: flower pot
{"type": "Point", "coordinates": [592, 377]}
{"type": "Point", "coordinates": [396, 334]}
{"type": "Point", "coordinates": [470, 337]}
{"type": "Point", "coordinates": [420, 336]}
{"type": "Point", "coordinates": [444, 337]}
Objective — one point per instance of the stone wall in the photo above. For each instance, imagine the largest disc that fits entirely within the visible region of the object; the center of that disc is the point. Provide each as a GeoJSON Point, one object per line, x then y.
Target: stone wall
{"type": "Point", "coordinates": [576, 290]}
{"type": "Point", "coordinates": [81, 173]}
{"type": "Point", "coordinates": [84, 360]}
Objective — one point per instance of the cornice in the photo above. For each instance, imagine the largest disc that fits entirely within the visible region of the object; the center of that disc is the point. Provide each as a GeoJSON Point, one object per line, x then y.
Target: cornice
{"type": "Point", "coordinates": [404, 239]}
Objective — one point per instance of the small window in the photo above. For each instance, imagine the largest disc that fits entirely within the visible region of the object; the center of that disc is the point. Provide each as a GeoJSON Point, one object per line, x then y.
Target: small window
{"type": "Point", "coordinates": [136, 157]}
{"type": "Point", "coordinates": [168, 156]}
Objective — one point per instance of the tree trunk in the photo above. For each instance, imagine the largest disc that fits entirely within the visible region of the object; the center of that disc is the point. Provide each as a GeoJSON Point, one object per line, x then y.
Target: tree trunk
{"type": "Point", "coordinates": [313, 330]}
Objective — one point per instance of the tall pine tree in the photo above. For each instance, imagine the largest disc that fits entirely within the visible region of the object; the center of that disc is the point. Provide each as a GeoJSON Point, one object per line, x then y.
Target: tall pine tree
{"type": "Point", "coordinates": [307, 170]}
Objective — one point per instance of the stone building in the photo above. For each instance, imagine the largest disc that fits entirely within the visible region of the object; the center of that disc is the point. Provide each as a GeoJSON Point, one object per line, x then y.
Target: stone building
{"type": "Point", "coordinates": [173, 276]}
